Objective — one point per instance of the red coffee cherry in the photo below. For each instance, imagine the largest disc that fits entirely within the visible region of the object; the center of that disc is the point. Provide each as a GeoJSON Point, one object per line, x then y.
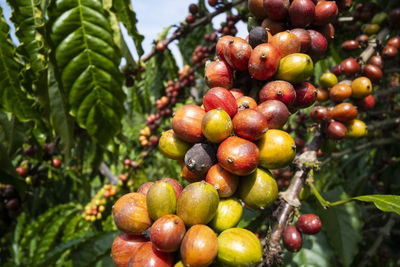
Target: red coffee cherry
{"type": "Point", "coordinates": [309, 224]}
{"type": "Point", "coordinates": [292, 239]}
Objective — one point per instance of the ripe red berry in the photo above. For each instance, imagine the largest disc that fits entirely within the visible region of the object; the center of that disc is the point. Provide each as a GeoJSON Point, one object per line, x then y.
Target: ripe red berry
{"type": "Point", "coordinates": [22, 171]}
{"type": "Point", "coordinates": [160, 46]}
{"type": "Point", "coordinates": [292, 239]}
{"type": "Point", "coordinates": [56, 162]}
{"type": "Point", "coordinates": [309, 224]}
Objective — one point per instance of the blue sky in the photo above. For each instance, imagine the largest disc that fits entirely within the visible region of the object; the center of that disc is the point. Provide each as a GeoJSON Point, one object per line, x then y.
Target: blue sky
{"type": "Point", "coordinates": [153, 16]}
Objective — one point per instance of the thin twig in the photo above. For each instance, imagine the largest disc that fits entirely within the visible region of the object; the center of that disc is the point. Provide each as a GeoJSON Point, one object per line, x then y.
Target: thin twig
{"type": "Point", "coordinates": [384, 92]}
{"type": "Point", "coordinates": [380, 124]}
{"type": "Point", "coordinates": [104, 170]}
{"type": "Point", "coordinates": [374, 143]}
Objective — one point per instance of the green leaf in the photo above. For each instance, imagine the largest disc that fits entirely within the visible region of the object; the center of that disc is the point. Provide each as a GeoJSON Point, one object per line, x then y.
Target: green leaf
{"type": "Point", "coordinates": [342, 225]}
{"type": "Point", "coordinates": [50, 235]}
{"type": "Point", "coordinates": [123, 10]}
{"type": "Point", "coordinates": [56, 252]}
{"type": "Point", "coordinates": [28, 16]}
{"type": "Point", "coordinates": [87, 65]}
{"type": "Point", "coordinates": [11, 96]}
{"type": "Point", "coordinates": [36, 228]}
{"type": "Point", "coordinates": [60, 119]}
{"type": "Point", "coordinates": [88, 253]}
{"type": "Point", "coordinates": [315, 252]}
{"type": "Point", "coordinates": [159, 69]}
{"type": "Point", "coordinates": [386, 203]}
{"type": "Point", "coordinates": [14, 133]}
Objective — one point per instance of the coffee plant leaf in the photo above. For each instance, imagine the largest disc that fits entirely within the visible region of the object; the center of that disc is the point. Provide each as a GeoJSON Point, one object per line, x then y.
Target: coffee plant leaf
{"type": "Point", "coordinates": [342, 225]}
{"type": "Point", "coordinates": [87, 63]}
{"type": "Point", "coordinates": [124, 11]}
{"type": "Point", "coordinates": [386, 203]}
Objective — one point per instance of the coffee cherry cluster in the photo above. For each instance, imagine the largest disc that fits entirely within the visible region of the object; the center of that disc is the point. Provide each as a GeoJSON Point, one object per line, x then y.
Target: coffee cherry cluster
{"type": "Point", "coordinates": [166, 103]}
{"type": "Point", "coordinates": [202, 53]}
{"type": "Point", "coordinates": [96, 207]}
{"type": "Point", "coordinates": [308, 224]}
{"type": "Point", "coordinates": [145, 139]}
{"type": "Point", "coordinates": [279, 15]}
{"type": "Point", "coordinates": [228, 27]}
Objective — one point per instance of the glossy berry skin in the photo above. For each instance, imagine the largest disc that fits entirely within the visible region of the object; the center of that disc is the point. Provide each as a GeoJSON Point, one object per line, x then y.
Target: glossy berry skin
{"type": "Point", "coordinates": [350, 45]}
{"type": "Point", "coordinates": [22, 171]}
{"type": "Point", "coordinates": [264, 61]}
{"type": "Point", "coordinates": [309, 224]}
{"type": "Point", "coordinates": [148, 256]}
{"type": "Point", "coordinates": [238, 156]}
{"type": "Point", "coordinates": [366, 103]}
{"type": "Point", "coordinates": [219, 97]}
{"type": "Point", "coordinates": [344, 112]}
{"type": "Point", "coordinates": [124, 247]}
{"type": "Point", "coordinates": [160, 46]}
{"type": "Point", "coordinates": [373, 72]}
{"type": "Point", "coordinates": [56, 162]}
{"type": "Point", "coordinates": [237, 53]}
{"type": "Point", "coordinates": [361, 87]}
{"type": "Point", "coordinates": [350, 66]}
{"type": "Point", "coordinates": [336, 130]}
{"type": "Point", "coordinates": [222, 43]}
{"type": "Point", "coordinates": [377, 61]}
{"type": "Point", "coordinates": [278, 90]}
{"type": "Point", "coordinates": [237, 93]}
{"type": "Point", "coordinates": [186, 123]}
{"type": "Point", "coordinates": [256, 8]}
{"type": "Point", "coordinates": [395, 41]}
{"type": "Point", "coordinates": [340, 92]}
{"type": "Point", "coordinates": [320, 114]}
{"type": "Point", "coordinates": [250, 124]}
{"type": "Point", "coordinates": [304, 37]}
{"type": "Point", "coordinates": [286, 42]}
{"type": "Point", "coordinates": [277, 9]}
{"type": "Point", "coordinates": [322, 95]}
{"type": "Point", "coordinates": [223, 181]}
{"type": "Point", "coordinates": [144, 188]}
{"type": "Point", "coordinates": [318, 45]}
{"type": "Point", "coordinates": [389, 52]}
{"type": "Point", "coordinates": [292, 239]}
{"type": "Point", "coordinates": [301, 13]}
{"type": "Point", "coordinates": [306, 94]}
{"type": "Point", "coordinates": [167, 233]}
{"type": "Point", "coordinates": [275, 112]}
{"type": "Point", "coordinates": [325, 12]}
{"type": "Point", "coordinates": [218, 73]}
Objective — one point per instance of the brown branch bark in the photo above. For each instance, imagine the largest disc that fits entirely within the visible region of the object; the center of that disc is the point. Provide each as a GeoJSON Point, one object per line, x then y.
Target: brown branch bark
{"type": "Point", "coordinates": [104, 170]}
{"type": "Point", "coordinates": [371, 48]}
{"type": "Point", "coordinates": [186, 28]}
{"type": "Point", "coordinates": [289, 200]}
